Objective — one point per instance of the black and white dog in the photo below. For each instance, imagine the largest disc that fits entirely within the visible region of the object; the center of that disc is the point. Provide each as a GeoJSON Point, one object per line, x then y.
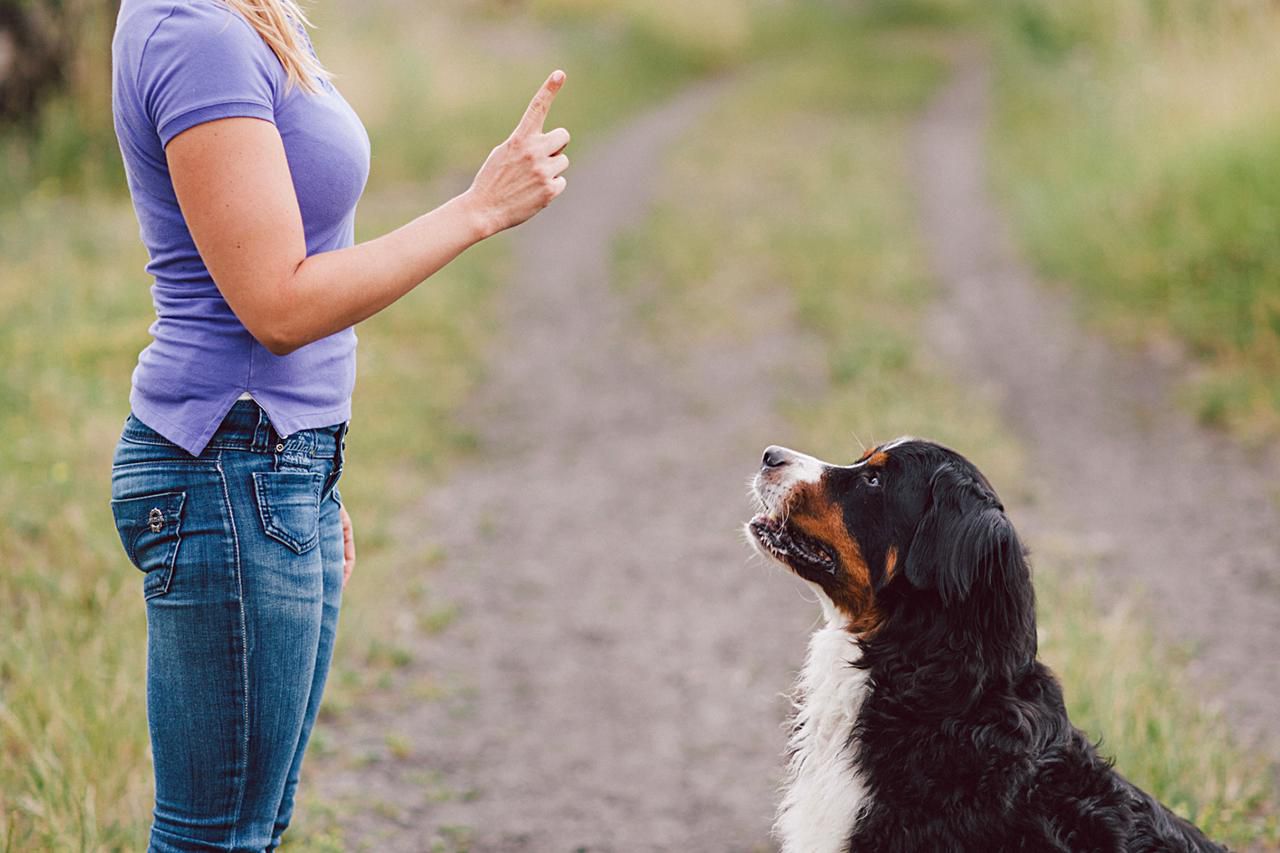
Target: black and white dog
{"type": "Point", "coordinates": [924, 721]}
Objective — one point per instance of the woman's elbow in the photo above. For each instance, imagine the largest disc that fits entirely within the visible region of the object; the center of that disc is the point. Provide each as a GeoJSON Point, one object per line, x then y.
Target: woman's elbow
{"type": "Point", "coordinates": [278, 339]}
{"type": "Point", "coordinates": [279, 348]}
{"type": "Point", "coordinates": [278, 319]}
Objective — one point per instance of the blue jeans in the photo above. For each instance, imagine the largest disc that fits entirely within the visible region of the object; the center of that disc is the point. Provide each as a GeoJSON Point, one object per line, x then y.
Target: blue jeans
{"type": "Point", "coordinates": [241, 554]}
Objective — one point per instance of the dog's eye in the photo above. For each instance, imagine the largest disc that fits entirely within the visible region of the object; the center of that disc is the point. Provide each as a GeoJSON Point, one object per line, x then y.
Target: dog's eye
{"type": "Point", "coordinates": [873, 479]}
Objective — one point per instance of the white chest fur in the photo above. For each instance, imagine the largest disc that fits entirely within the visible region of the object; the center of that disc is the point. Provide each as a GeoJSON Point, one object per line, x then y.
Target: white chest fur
{"type": "Point", "coordinates": [823, 793]}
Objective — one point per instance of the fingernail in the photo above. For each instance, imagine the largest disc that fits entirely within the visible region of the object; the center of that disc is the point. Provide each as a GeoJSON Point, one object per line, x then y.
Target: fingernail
{"type": "Point", "coordinates": [557, 77]}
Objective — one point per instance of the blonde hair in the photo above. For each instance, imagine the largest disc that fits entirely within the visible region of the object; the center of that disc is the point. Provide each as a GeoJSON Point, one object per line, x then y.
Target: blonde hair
{"type": "Point", "coordinates": [281, 23]}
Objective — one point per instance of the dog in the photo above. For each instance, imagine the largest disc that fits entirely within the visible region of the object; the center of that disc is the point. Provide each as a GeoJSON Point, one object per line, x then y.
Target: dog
{"type": "Point", "coordinates": [924, 721]}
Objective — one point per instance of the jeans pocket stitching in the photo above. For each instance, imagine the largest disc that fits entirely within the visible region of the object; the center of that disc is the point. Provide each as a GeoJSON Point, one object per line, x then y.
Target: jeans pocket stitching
{"type": "Point", "coordinates": [133, 529]}
{"type": "Point", "coordinates": [272, 524]}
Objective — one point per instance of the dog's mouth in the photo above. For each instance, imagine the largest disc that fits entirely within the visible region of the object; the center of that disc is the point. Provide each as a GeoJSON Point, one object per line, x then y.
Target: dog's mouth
{"type": "Point", "coordinates": [791, 546]}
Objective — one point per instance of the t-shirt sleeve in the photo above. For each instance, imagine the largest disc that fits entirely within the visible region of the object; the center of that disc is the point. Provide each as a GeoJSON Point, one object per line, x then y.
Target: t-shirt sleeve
{"type": "Point", "coordinates": [203, 63]}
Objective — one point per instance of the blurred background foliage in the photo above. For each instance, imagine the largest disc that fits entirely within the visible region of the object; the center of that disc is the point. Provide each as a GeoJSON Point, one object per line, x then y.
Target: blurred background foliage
{"type": "Point", "coordinates": [55, 95]}
{"type": "Point", "coordinates": [1134, 146]}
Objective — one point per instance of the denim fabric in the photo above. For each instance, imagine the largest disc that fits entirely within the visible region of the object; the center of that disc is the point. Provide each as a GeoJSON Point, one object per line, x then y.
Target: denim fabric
{"type": "Point", "coordinates": [241, 553]}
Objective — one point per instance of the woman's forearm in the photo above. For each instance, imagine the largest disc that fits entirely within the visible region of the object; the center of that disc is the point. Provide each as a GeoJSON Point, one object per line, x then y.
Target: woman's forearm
{"type": "Point", "coordinates": [233, 184]}
{"type": "Point", "coordinates": [333, 290]}
{"type": "Point", "coordinates": [330, 291]}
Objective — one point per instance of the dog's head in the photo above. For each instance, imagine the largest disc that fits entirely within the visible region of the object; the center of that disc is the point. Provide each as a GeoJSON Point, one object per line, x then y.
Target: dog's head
{"type": "Point", "coordinates": [910, 526]}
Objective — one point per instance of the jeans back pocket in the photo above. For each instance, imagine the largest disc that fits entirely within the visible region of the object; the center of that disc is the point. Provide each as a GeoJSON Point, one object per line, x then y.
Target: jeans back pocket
{"type": "Point", "coordinates": [289, 503]}
{"type": "Point", "coordinates": [150, 529]}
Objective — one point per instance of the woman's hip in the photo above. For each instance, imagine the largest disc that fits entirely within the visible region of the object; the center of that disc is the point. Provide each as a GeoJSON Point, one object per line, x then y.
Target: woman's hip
{"type": "Point", "coordinates": [243, 520]}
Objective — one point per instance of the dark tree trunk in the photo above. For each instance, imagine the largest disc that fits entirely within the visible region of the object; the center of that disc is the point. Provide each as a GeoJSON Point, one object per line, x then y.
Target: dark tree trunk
{"type": "Point", "coordinates": [41, 42]}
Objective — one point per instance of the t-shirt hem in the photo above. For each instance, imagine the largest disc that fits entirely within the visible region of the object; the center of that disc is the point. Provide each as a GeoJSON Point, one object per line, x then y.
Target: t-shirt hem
{"type": "Point", "coordinates": [212, 112]}
{"type": "Point", "coordinates": [195, 442]}
{"type": "Point", "coordinates": [311, 420]}
{"type": "Point", "coordinates": [192, 442]}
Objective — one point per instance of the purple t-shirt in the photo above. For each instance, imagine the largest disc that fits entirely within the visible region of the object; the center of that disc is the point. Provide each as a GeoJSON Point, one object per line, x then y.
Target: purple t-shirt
{"type": "Point", "coordinates": [176, 64]}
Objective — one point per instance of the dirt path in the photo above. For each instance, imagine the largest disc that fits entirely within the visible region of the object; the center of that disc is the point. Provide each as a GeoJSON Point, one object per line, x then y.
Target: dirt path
{"type": "Point", "coordinates": [1168, 508]}
{"type": "Point", "coordinates": [612, 681]}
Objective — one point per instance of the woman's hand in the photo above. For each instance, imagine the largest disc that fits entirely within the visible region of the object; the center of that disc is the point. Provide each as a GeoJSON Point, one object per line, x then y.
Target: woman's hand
{"type": "Point", "coordinates": [524, 173]}
{"type": "Point", "coordinates": [348, 547]}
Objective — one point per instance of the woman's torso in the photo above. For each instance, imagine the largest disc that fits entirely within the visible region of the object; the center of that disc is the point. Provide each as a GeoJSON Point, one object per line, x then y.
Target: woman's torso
{"type": "Point", "coordinates": [176, 64]}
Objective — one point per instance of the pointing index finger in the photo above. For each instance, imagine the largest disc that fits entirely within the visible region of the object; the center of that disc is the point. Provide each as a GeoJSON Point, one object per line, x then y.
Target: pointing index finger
{"type": "Point", "coordinates": [536, 114]}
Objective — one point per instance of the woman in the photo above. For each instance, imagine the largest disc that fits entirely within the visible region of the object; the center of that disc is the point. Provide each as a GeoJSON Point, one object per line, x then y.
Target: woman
{"type": "Point", "coordinates": [245, 166]}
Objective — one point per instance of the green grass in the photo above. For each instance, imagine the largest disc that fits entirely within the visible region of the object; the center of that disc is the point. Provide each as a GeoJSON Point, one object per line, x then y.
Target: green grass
{"type": "Point", "coordinates": [1130, 691]}
{"type": "Point", "coordinates": [808, 218]}
{"type": "Point", "coordinates": [1137, 150]}
{"type": "Point", "coordinates": [73, 773]}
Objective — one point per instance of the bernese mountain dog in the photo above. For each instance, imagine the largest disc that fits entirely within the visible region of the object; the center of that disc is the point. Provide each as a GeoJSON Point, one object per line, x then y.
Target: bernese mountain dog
{"type": "Point", "coordinates": [923, 720]}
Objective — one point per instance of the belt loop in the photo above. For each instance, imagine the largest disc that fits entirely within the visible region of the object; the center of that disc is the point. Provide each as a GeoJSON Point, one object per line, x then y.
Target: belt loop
{"type": "Point", "coordinates": [339, 455]}
{"type": "Point", "coordinates": [340, 446]}
{"type": "Point", "coordinates": [262, 433]}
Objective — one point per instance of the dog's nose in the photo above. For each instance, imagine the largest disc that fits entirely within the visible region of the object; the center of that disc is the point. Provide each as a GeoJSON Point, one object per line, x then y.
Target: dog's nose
{"type": "Point", "coordinates": [775, 456]}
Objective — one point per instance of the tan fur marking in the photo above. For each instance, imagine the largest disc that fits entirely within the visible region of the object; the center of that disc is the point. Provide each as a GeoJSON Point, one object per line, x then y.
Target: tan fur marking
{"type": "Point", "coordinates": [890, 562]}
{"type": "Point", "coordinates": [878, 459]}
{"type": "Point", "coordinates": [816, 516]}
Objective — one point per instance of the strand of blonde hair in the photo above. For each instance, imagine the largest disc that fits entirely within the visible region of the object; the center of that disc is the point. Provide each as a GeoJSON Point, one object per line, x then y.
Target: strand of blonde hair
{"type": "Point", "coordinates": [278, 22]}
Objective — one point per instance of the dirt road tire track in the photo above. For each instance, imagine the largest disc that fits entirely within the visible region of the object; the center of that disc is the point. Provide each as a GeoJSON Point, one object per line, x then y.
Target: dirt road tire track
{"type": "Point", "coordinates": [613, 680]}
{"type": "Point", "coordinates": [1175, 511]}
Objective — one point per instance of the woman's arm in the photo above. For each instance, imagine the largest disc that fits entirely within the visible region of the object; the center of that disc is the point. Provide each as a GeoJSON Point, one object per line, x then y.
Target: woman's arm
{"type": "Point", "coordinates": [233, 185]}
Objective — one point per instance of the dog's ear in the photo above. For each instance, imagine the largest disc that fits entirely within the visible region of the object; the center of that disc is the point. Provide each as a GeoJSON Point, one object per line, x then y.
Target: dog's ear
{"type": "Point", "coordinates": [964, 538]}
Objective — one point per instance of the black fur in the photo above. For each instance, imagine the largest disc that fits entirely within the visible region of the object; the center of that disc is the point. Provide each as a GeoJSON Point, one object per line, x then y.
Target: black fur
{"type": "Point", "coordinates": [963, 739]}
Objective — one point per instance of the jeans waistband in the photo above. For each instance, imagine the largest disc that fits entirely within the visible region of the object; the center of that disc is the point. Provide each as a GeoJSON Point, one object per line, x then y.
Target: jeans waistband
{"type": "Point", "coordinates": [247, 427]}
